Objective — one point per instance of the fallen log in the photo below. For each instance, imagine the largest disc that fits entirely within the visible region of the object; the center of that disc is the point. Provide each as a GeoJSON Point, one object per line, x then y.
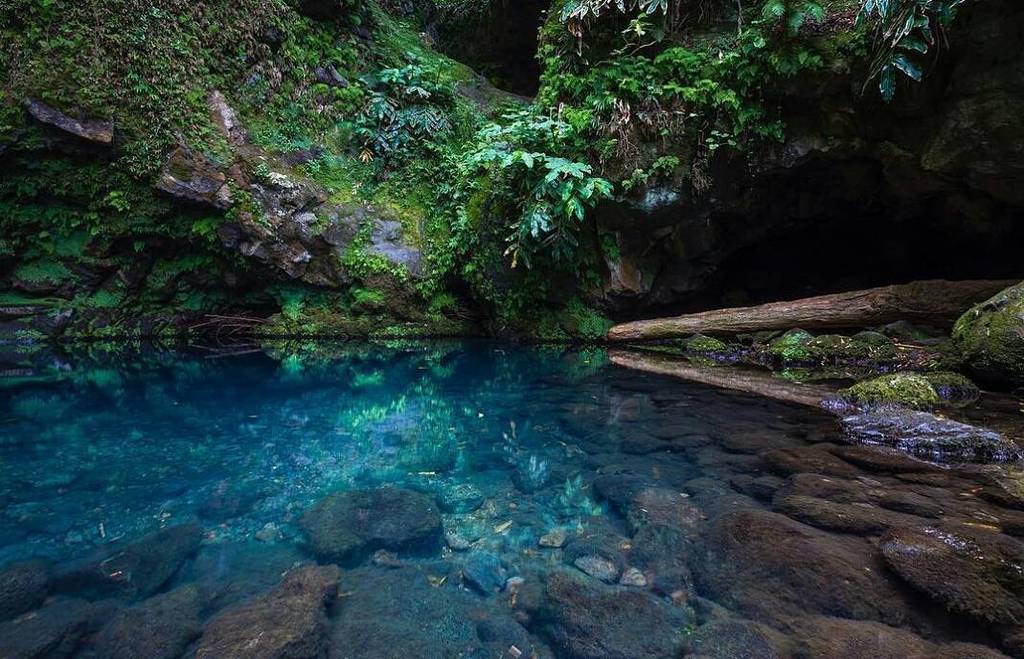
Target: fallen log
{"type": "Point", "coordinates": [933, 302]}
{"type": "Point", "coordinates": [750, 381]}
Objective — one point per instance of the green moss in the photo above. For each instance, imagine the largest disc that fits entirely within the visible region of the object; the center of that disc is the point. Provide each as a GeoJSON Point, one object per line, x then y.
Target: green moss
{"type": "Point", "coordinates": [792, 346]}
{"type": "Point", "coordinates": [990, 337]}
{"type": "Point", "coordinates": [698, 343]}
{"type": "Point", "coordinates": [953, 386]}
{"type": "Point", "coordinates": [907, 389]}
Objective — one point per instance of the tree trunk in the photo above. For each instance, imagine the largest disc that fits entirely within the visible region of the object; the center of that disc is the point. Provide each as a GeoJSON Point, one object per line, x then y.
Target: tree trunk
{"type": "Point", "coordinates": [934, 302]}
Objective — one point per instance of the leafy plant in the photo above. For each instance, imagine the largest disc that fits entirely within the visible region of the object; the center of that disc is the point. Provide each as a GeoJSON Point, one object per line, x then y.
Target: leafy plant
{"type": "Point", "coordinates": [792, 14]}
{"type": "Point", "coordinates": [551, 193]}
{"type": "Point", "coordinates": [905, 31]}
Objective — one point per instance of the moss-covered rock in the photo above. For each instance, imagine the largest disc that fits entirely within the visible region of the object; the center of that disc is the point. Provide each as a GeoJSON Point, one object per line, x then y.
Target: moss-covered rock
{"type": "Point", "coordinates": [793, 346]}
{"type": "Point", "coordinates": [907, 389]}
{"type": "Point", "coordinates": [990, 337]}
{"type": "Point", "coordinates": [701, 344]}
{"type": "Point", "coordinates": [951, 386]}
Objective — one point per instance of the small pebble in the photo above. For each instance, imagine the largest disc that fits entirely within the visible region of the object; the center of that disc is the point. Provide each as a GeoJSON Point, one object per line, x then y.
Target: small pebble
{"type": "Point", "coordinates": [553, 539]}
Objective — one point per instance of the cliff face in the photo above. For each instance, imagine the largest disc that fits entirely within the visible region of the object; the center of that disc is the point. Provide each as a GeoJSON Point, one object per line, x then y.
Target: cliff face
{"type": "Point", "coordinates": [312, 177]}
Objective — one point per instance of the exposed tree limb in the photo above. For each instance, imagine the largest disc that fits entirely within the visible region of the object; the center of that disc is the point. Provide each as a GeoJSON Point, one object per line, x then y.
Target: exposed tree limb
{"type": "Point", "coordinates": [933, 302]}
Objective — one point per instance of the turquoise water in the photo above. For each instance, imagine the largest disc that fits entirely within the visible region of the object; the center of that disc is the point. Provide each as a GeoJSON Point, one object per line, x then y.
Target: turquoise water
{"type": "Point", "coordinates": [550, 504]}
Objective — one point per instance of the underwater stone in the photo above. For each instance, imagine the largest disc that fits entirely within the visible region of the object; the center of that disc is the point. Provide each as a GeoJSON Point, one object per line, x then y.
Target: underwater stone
{"type": "Point", "coordinates": [483, 571]}
{"type": "Point", "coordinates": [553, 539]}
{"type": "Point", "coordinates": [836, 638]}
{"type": "Point", "coordinates": [730, 639]}
{"type": "Point", "coordinates": [289, 622]}
{"type": "Point", "coordinates": [53, 631]}
{"type": "Point", "coordinates": [975, 573]}
{"type": "Point", "coordinates": [23, 586]}
{"type": "Point", "coordinates": [633, 577]}
{"type": "Point", "coordinates": [158, 628]}
{"type": "Point", "coordinates": [459, 498]}
{"type": "Point", "coordinates": [136, 569]}
{"type": "Point", "coordinates": [585, 619]}
{"type": "Point", "coordinates": [597, 567]}
{"type": "Point", "coordinates": [345, 526]}
{"type": "Point", "coordinates": [662, 553]}
{"type": "Point", "coordinates": [400, 613]}
{"type": "Point", "coordinates": [770, 567]}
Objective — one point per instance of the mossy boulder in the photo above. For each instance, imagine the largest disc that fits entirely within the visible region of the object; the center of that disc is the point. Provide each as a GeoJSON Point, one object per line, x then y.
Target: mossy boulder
{"type": "Point", "coordinates": [953, 386]}
{"type": "Point", "coordinates": [793, 346]}
{"type": "Point", "coordinates": [701, 344]}
{"type": "Point", "coordinates": [908, 389]}
{"type": "Point", "coordinates": [990, 336]}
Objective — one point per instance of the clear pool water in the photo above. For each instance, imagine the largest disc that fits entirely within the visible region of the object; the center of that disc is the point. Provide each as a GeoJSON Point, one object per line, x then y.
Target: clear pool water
{"type": "Point", "coordinates": [548, 503]}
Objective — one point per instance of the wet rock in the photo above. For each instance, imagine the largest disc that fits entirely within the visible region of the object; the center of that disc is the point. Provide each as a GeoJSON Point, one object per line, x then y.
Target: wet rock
{"type": "Point", "coordinates": [882, 460]}
{"type": "Point", "coordinates": [553, 539]}
{"type": "Point", "coordinates": [387, 240]}
{"type": "Point", "coordinates": [229, 572]}
{"type": "Point", "coordinates": [226, 501]}
{"type": "Point", "coordinates": [134, 570]}
{"type": "Point", "coordinates": [662, 553]}
{"type": "Point", "coordinates": [990, 338]}
{"type": "Point", "coordinates": [853, 639]}
{"type": "Point", "coordinates": [761, 487]}
{"type": "Point", "coordinates": [23, 586]}
{"type": "Point", "coordinates": [483, 571]}
{"type": "Point", "coordinates": [346, 526]}
{"type": "Point", "coordinates": [598, 567]}
{"type": "Point", "coordinates": [598, 554]}
{"type": "Point", "coordinates": [975, 573]}
{"type": "Point", "coordinates": [158, 628]}
{"type": "Point", "coordinates": [927, 436]}
{"type": "Point", "coordinates": [53, 631]}
{"type": "Point", "coordinates": [659, 505]}
{"type": "Point", "coordinates": [399, 613]}
{"type": "Point", "coordinates": [908, 389]}
{"type": "Point", "coordinates": [737, 639]}
{"type": "Point", "coordinates": [807, 459]}
{"type": "Point", "coordinates": [633, 577]}
{"type": "Point", "coordinates": [101, 132]}
{"type": "Point", "coordinates": [269, 533]}
{"type": "Point", "coordinates": [771, 567]}
{"type": "Point", "coordinates": [585, 619]}
{"type": "Point", "coordinates": [290, 621]}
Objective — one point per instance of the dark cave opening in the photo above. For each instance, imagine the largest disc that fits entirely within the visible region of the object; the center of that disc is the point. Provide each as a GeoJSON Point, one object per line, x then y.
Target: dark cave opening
{"type": "Point", "coordinates": [823, 227]}
{"type": "Point", "coordinates": [500, 43]}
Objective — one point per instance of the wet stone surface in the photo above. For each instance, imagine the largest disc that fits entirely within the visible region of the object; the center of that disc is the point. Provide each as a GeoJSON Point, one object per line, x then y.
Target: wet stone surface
{"type": "Point", "coordinates": [481, 500]}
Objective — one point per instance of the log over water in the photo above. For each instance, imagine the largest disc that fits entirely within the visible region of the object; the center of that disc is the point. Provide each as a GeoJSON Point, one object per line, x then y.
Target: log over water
{"type": "Point", "coordinates": [934, 302]}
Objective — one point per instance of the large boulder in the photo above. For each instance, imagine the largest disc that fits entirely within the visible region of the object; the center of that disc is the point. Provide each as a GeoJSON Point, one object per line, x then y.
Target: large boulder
{"type": "Point", "coordinates": [289, 622]}
{"type": "Point", "coordinates": [53, 632]}
{"type": "Point", "coordinates": [346, 526]}
{"type": "Point", "coordinates": [977, 573]}
{"type": "Point", "coordinates": [585, 619]}
{"type": "Point", "coordinates": [836, 638]}
{"type": "Point", "coordinates": [158, 628]}
{"type": "Point", "coordinates": [100, 132]}
{"type": "Point", "coordinates": [990, 337]}
{"type": "Point", "coordinates": [771, 568]}
{"type": "Point", "coordinates": [417, 612]}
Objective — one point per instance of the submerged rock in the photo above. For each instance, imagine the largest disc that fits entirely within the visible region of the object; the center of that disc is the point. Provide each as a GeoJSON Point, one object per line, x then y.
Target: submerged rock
{"type": "Point", "coordinates": [585, 619]}
{"type": "Point", "coordinates": [158, 628]}
{"type": "Point", "coordinates": [135, 570]}
{"type": "Point", "coordinates": [736, 639]}
{"type": "Point", "coordinates": [23, 586]}
{"type": "Point", "coordinates": [990, 338]}
{"type": "Point", "coordinates": [836, 638]}
{"type": "Point", "coordinates": [977, 573]}
{"type": "Point", "coordinates": [399, 613]}
{"type": "Point", "coordinates": [771, 567]}
{"type": "Point", "coordinates": [346, 526]}
{"type": "Point", "coordinates": [927, 436]}
{"type": "Point", "coordinates": [51, 632]}
{"type": "Point", "coordinates": [484, 572]}
{"type": "Point", "coordinates": [662, 553]}
{"type": "Point", "coordinates": [289, 622]}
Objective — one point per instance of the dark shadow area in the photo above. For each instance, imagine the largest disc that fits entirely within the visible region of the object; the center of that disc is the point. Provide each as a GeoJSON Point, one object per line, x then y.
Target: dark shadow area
{"type": "Point", "coordinates": [499, 42]}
